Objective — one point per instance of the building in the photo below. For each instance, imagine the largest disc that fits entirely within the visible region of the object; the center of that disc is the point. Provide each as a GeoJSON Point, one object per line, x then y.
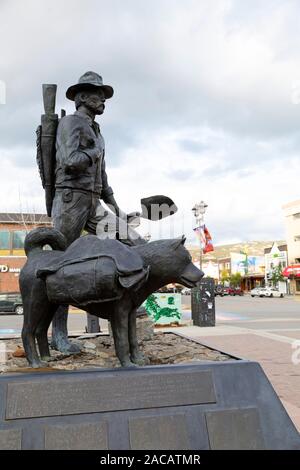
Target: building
{"type": "Point", "coordinates": [247, 259]}
{"type": "Point", "coordinates": [292, 225]}
{"type": "Point", "coordinates": [13, 229]}
{"type": "Point", "coordinates": [276, 257]}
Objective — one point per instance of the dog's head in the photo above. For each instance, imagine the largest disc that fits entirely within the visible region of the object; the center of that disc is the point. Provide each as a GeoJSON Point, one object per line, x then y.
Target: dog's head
{"type": "Point", "coordinates": [171, 261]}
{"type": "Point", "coordinates": [186, 272]}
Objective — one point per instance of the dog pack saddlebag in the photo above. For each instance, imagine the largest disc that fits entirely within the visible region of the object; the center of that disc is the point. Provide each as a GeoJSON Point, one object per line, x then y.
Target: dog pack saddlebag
{"type": "Point", "coordinates": [95, 280]}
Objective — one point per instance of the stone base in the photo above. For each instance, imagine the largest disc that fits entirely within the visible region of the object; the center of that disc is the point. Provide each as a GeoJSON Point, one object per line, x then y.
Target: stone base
{"type": "Point", "coordinates": [226, 405]}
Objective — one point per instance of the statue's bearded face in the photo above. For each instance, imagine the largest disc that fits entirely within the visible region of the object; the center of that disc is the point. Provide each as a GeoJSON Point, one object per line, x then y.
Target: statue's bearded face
{"type": "Point", "coordinates": [94, 100]}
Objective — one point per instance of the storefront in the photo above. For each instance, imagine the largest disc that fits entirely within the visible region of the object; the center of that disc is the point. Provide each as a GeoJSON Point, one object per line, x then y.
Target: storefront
{"type": "Point", "coordinates": [250, 267]}
{"type": "Point", "coordinates": [250, 282]}
{"type": "Point", "coordinates": [13, 230]}
{"type": "Point", "coordinates": [292, 273]}
{"type": "Point", "coordinates": [9, 273]}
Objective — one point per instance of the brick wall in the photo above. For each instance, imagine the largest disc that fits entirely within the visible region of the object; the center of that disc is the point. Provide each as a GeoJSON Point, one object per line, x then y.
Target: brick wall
{"type": "Point", "coordinates": [13, 259]}
{"type": "Point", "coordinates": [9, 281]}
{"type": "Point", "coordinates": [17, 226]}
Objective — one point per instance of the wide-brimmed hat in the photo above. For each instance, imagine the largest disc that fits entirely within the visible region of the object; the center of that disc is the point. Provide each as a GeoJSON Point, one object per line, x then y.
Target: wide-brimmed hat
{"type": "Point", "coordinates": [89, 81]}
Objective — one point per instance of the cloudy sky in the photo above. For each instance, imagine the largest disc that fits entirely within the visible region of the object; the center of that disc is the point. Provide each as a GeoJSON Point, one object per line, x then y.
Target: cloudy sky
{"type": "Point", "coordinates": [206, 104]}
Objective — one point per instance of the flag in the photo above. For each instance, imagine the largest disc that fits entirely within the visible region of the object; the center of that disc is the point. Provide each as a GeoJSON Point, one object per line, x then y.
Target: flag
{"type": "Point", "coordinates": [205, 238]}
{"type": "Point", "coordinates": [208, 241]}
{"type": "Point", "coordinates": [200, 235]}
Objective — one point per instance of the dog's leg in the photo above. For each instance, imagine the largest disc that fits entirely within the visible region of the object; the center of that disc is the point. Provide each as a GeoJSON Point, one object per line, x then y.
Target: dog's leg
{"type": "Point", "coordinates": [34, 302]}
{"type": "Point", "coordinates": [30, 346]}
{"type": "Point", "coordinates": [135, 354]}
{"type": "Point", "coordinates": [119, 326]}
{"type": "Point", "coordinates": [42, 331]}
{"type": "Point", "coordinates": [60, 340]}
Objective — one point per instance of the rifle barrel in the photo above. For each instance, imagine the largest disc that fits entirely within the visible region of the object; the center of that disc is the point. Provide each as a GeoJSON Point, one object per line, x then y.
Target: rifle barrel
{"type": "Point", "coordinates": [49, 97]}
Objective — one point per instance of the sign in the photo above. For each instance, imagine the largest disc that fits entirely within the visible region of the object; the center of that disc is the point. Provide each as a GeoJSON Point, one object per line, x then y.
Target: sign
{"type": "Point", "coordinates": [247, 265]}
{"type": "Point", "coordinates": [5, 269]}
{"type": "Point", "coordinates": [164, 308]}
{"type": "Point", "coordinates": [292, 270]}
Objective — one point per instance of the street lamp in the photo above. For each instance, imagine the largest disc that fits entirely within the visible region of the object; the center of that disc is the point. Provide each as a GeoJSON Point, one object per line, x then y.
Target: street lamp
{"type": "Point", "coordinates": [199, 211]}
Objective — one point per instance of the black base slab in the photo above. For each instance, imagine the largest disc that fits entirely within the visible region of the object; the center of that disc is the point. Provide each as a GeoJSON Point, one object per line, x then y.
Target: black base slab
{"type": "Point", "coordinates": [211, 405]}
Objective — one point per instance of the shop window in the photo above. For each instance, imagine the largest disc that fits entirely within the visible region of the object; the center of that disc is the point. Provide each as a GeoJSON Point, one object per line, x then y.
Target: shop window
{"type": "Point", "coordinates": [4, 240]}
{"type": "Point", "coordinates": [297, 285]}
{"type": "Point", "coordinates": [18, 239]}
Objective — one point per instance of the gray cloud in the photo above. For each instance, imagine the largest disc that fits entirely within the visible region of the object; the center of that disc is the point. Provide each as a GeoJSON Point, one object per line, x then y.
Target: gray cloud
{"type": "Point", "coordinates": [193, 146]}
{"type": "Point", "coordinates": [133, 47]}
{"type": "Point", "coordinates": [180, 174]}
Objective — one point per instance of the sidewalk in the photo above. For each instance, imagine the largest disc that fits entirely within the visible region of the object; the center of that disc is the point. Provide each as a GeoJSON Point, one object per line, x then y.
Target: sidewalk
{"type": "Point", "coordinates": [273, 351]}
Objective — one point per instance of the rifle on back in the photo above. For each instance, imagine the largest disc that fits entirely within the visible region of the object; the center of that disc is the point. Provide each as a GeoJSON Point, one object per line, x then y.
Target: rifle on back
{"type": "Point", "coordinates": [46, 138]}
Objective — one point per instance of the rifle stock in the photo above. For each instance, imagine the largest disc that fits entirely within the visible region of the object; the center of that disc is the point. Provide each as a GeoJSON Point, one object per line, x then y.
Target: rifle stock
{"type": "Point", "coordinates": [49, 123]}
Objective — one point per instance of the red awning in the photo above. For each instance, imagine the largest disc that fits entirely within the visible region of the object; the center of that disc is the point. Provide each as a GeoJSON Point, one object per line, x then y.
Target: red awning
{"type": "Point", "coordinates": [292, 270]}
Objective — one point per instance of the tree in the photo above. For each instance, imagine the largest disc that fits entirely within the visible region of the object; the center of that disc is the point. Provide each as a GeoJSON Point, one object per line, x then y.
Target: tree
{"type": "Point", "coordinates": [235, 280]}
{"type": "Point", "coordinates": [276, 275]}
{"type": "Point", "coordinates": [224, 276]}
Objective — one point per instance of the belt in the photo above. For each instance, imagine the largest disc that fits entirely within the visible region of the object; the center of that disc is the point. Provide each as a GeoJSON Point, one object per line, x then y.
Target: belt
{"type": "Point", "coordinates": [76, 190]}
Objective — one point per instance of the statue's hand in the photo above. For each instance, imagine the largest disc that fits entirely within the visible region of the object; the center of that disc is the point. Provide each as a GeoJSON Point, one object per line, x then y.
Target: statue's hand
{"type": "Point", "coordinates": [133, 219]}
{"type": "Point", "coordinates": [132, 215]}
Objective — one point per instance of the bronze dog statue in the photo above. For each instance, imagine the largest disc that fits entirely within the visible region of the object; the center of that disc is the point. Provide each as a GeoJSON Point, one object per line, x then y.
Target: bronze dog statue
{"type": "Point", "coordinates": [104, 277]}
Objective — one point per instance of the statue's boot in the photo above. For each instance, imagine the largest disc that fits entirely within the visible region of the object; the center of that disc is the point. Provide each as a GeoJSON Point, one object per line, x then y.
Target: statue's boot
{"type": "Point", "coordinates": [60, 340]}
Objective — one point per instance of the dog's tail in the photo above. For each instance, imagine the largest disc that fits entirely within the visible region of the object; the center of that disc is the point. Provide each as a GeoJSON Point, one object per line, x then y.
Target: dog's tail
{"type": "Point", "coordinates": [39, 237]}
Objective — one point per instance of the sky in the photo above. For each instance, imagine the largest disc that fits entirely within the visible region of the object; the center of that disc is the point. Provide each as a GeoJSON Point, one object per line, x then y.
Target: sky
{"type": "Point", "coordinates": [206, 104]}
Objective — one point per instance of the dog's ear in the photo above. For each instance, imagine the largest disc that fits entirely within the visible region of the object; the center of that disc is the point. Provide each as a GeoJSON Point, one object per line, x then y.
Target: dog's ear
{"type": "Point", "coordinates": [178, 241]}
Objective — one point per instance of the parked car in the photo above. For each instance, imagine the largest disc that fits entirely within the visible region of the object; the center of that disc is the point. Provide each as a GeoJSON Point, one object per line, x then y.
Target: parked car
{"type": "Point", "coordinates": [257, 292]}
{"type": "Point", "coordinates": [266, 292]}
{"type": "Point", "coordinates": [11, 302]}
{"type": "Point", "coordinates": [235, 291]}
{"type": "Point", "coordinates": [272, 292]}
{"type": "Point", "coordinates": [186, 291]}
{"type": "Point", "coordinates": [221, 290]}
{"type": "Point", "coordinates": [226, 290]}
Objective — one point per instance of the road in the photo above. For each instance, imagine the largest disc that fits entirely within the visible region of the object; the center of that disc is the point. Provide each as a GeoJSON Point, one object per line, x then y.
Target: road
{"type": "Point", "coordinates": [253, 313]}
{"type": "Point", "coordinates": [258, 313]}
{"type": "Point", "coordinates": [12, 324]}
